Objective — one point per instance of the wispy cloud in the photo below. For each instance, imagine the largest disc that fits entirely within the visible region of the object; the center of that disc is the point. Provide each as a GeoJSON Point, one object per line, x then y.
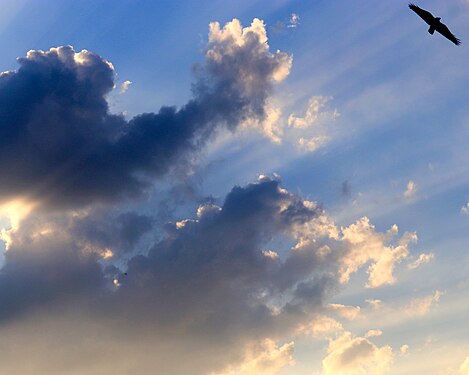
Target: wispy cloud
{"type": "Point", "coordinates": [422, 259]}
{"type": "Point", "coordinates": [411, 190]}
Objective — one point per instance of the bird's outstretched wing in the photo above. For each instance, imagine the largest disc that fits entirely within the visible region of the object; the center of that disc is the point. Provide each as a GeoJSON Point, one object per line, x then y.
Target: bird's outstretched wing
{"type": "Point", "coordinates": [426, 16]}
{"type": "Point", "coordinates": [443, 30]}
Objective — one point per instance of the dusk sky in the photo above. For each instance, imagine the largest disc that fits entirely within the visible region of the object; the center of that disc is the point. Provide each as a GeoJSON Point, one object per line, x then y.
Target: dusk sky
{"type": "Point", "coordinates": [233, 188]}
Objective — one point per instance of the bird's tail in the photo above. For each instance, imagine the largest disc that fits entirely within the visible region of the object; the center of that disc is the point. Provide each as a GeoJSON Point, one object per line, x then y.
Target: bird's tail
{"type": "Point", "coordinates": [431, 30]}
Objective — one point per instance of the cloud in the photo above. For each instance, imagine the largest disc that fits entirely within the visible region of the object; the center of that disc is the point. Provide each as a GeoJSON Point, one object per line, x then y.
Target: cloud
{"type": "Point", "coordinates": [314, 113]}
{"type": "Point", "coordinates": [294, 21]}
{"type": "Point", "coordinates": [312, 144]}
{"type": "Point", "coordinates": [124, 86]}
{"type": "Point", "coordinates": [375, 304]}
{"type": "Point", "coordinates": [365, 245]}
{"type": "Point", "coordinates": [43, 267]}
{"type": "Point", "coordinates": [374, 333]}
{"type": "Point", "coordinates": [241, 57]}
{"type": "Point", "coordinates": [422, 305]}
{"type": "Point", "coordinates": [266, 358]}
{"type": "Point", "coordinates": [307, 129]}
{"type": "Point", "coordinates": [209, 279]}
{"type": "Point", "coordinates": [60, 144]}
{"type": "Point", "coordinates": [348, 355]}
{"type": "Point", "coordinates": [221, 279]}
{"type": "Point", "coordinates": [465, 209]}
{"type": "Point", "coordinates": [320, 326]}
{"type": "Point", "coordinates": [422, 259]}
{"type": "Point", "coordinates": [282, 26]}
{"type": "Point", "coordinates": [348, 312]}
{"type": "Point", "coordinates": [404, 350]}
{"type": "Point", "coordinates": [119, 233]}
{"type": "Point", "coordinates": [411, 190]}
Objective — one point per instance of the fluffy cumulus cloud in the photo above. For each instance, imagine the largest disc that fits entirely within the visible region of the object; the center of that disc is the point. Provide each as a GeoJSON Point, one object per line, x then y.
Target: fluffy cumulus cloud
{"type": "Point", "coordinates": [349, 355]}
{"type": "Point", "coordinates": [60, 143]}
{"type": "Point", "coordinates": [241, 57]}
{"type": "Point", "coordinates": [221, 279]}
{"type": "Point", "coordinates": [366, 245]}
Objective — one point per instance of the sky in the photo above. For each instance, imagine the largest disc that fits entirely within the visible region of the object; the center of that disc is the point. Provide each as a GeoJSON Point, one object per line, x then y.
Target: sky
{"type": "Point", "coordinates": [233, 188]}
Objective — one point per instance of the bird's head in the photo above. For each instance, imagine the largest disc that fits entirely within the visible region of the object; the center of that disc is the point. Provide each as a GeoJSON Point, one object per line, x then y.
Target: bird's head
{"type": "Point", "coordinates": [438, 19]}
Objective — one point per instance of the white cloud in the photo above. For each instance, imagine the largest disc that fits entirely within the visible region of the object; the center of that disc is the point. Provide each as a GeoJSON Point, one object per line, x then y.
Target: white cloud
{"type": "Point", "coordinates": [404, 350]}
{"type": "Point", "coordinates": [320, 326]}
{"type": "Point", "coordinates": [348, 355]}
{"type": "Point", "coordinates": [465, 209]}
{"type": "Point", "coordinates": [308, 130]}
{"type": "Point", "coordinates": [374, 333]}
{"type": "Point", "coordinates": [422, 305]}
{"type": "Point", "coordinates": [422, 259]}
{"type": "Point", "coordinates": [270, 125]}
{"type": "Point", "coordinates": [228, 41]}
{"type": "Point", "coordinates": [312, 144]}
{"type": "Point", "coordinates": [374, 303]}
{"type": "Point", "coordinates": [265, 358]}
{"type": "Point", "coordinates": [227, 50]}
{"type": "Point", "coordinates": [347, 312]}
{"type": "Point", "coordinates": [410, 190]}
{"type": "Point", "coordinates": [294, 21]}
{"type": "Point", "coordinates": [314, 113]}
{"type": "Point", "coordinates": [125, 86]}
{"type": "Point", "coordinates": [366, 245]}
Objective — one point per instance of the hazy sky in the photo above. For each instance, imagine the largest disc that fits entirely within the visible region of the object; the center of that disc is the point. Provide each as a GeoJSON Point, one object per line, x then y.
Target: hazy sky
{"type": "Point", "coordinates": [233, 188]}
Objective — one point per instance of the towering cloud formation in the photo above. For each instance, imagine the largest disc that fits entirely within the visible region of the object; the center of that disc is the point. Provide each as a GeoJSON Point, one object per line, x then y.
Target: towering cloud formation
{"type": "Point", "coordinates": [60, 143]}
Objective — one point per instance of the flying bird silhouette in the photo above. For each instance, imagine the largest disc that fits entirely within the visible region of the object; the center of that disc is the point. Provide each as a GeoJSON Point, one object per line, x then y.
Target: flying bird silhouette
{"type": "Point", "coordinates": [435, 24]}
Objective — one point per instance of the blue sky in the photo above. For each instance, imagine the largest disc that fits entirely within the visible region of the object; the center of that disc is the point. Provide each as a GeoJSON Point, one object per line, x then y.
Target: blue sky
{"type": "Point", "coordinates": [302, 208]}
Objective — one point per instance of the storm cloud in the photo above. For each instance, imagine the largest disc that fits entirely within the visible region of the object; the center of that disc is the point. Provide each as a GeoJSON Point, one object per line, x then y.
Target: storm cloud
{"type": "Point", "coordinates": [59, 142]}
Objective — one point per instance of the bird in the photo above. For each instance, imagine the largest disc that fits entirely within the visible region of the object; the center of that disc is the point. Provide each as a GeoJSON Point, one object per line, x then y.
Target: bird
{"type": "Point", "coordinates": [435, 24]}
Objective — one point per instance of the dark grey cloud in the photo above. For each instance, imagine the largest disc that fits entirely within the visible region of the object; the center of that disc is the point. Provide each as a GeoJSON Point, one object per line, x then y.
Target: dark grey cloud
{"type": "Point", "coordinates": [211, 279]}
{"type": "Point", "coordinates": [40, 272]}
{"type": "Point", "coordinates": [215, 267]}
{"type": "Point", "coordinates": [59, 143]}
{"type": "Point", "coordinates": [106, 230]}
